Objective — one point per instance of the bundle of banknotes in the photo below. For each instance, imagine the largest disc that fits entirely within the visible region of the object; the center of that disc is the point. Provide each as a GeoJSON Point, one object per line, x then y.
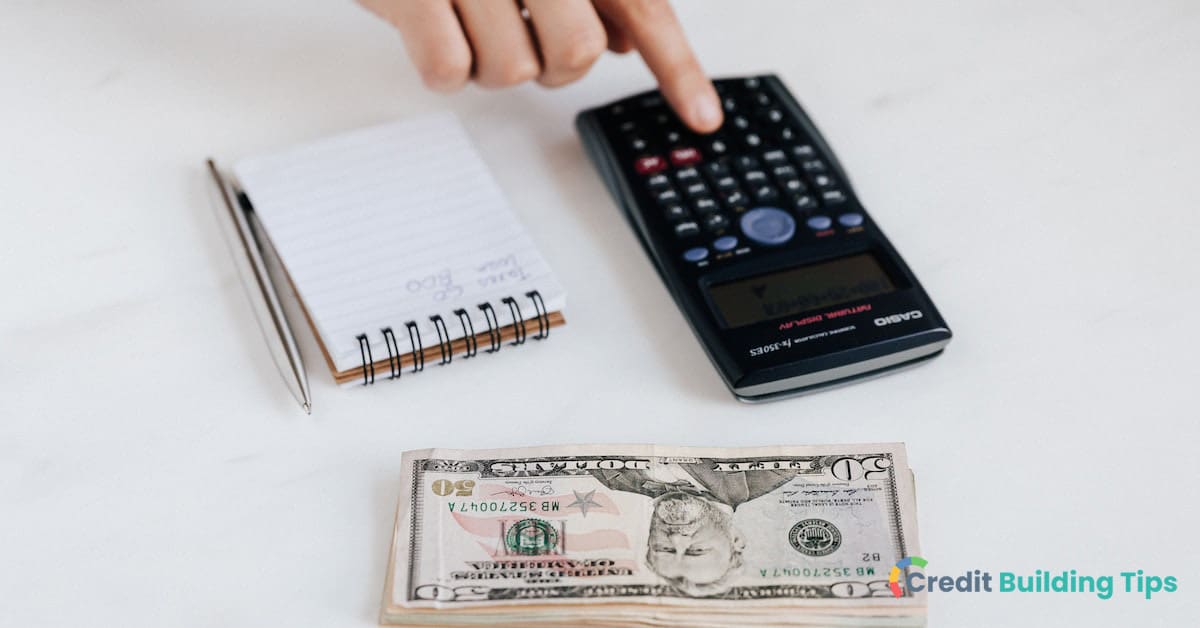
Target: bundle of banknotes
{"type": "Point", "coordinates": [644, 535]}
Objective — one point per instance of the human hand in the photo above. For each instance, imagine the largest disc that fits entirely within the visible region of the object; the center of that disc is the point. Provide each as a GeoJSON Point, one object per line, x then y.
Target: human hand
{"type": "Point", "coordinates": [555, 42]}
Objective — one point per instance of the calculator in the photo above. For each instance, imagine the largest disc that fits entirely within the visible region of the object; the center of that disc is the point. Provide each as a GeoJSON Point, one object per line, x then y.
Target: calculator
{"type": "Point", "coordinates": [783, 276]}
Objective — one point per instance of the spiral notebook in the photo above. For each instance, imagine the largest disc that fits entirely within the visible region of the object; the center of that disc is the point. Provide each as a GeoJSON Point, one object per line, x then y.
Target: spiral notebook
{"type": "Point", "coordinates": [401, 248]}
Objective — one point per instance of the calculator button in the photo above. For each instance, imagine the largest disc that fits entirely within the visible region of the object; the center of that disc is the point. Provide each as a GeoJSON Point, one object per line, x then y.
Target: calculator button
{"type": "Point", "coordinates": [768, 225]}
{"type": "Point", "coordinates": [753, 140]}
{"type": "Point", "coordinates": [735, 199]}
{"type": "Point", "coordinates": [725, 243]}
{"type": "Point", "coordinates": [766, 194]}
{"type": "Point", "coordinates": [696, 189]}
{"type": "Point", "coordinates": [716, 168]}
{"type": "Point", "coordinates": [787, 134]}
{"type": "Point", "coordinates": [824, 181]}
{"type": "Point", "coordinates": [651, 101]}
{"type": "Point", "coordinates": [673, 137]}
{"type": "Point", "coordinates": [716, 222]}
{"type": "Point", "coordinates": [685, 156]}
{"type": "Point", "coordinates": [819, 223]}
{"type": "Point", "coordinates": [725, 184]}
{"type": "Point", "coordinates": [784, 172]}
{"type": "Point", "coordinates": [751, 83]}
{"type": "Point", "coordinates": [774, 157]}
{"type": "Point", "coordinates": [637, 143]}
{"type": "Point", "coordinates": [676, 212]}
{"type": "Point", "coordinates": [718, 147]}
{"type": "Point", "coordinates": [804, 202]}
{"type": "Point", "coordinates": [755, 176]}
{"type": "Point", "coordinates": [773, 115]}
{"type": "Point", "coordinates": [729, 104]}
{"type": "Point", "coordinates": [687, 229]}
{"type": "Point", "coordinates": [803, 151]}
{"type": "Point", "coordinates": [687, 174]}
{"type": "Point", "coordinates": [762, 99]}
{"type": "Point", "coordinates": [667, 196]}
{"type": "Point", "coordinates": [704, 205]}
{"type": "Point", "coordinates": [746, 162]}
{"type": "Point", "coordinates": [658, 183]}
{"type": "Point", "coordinates": [628, 126]}
{"type": "Point", "coordinates": [792, 185]}
{"type": "Point", "coordinates": [853, 219]}
{"type": "Point", "coordinates": [649, 165]}
{"type": "Point", "coordinates": [813, 165]}
{"type": "Point", "coordinates": [833, 197]}
{"type": "Point", "coordinates": [741, 122]}
{"type": "Point", "coordinates": [696, 254]}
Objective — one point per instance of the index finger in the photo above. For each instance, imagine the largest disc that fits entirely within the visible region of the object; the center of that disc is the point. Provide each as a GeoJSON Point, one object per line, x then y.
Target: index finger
{"type": "Point", "coordinates": [659, 38]}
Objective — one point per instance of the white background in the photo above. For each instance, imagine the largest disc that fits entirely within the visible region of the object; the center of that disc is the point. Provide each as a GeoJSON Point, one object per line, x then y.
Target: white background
{"type": "Point", "coordinates": [1034, 161]}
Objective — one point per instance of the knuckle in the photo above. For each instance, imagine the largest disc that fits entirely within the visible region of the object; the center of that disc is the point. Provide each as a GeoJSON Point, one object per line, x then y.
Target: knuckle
{"type": "Point", "coordinates": [582, 51]}
{"type": "Point", "coordinates": [445, 71]}
{"type": "Point", "coordinates": [514, 72]}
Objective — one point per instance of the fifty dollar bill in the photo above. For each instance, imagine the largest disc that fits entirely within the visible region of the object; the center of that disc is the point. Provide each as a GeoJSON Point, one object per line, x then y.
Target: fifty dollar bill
{"type": "Point", "coordinates": [690, 528]}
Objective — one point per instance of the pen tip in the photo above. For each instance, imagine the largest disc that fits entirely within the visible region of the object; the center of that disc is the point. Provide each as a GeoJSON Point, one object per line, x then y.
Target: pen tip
{"type": "Point", "coordinates": [307, 407]}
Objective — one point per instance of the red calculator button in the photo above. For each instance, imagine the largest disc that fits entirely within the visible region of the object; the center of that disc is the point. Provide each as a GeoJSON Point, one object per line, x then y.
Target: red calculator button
{"type": "Point", "coordinates": [649, 165]}
{"type": "Point", "coordinates": [684, 156]}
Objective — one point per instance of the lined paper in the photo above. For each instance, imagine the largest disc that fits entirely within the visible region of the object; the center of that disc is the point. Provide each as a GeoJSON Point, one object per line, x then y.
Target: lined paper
{"type": "Point", "coordinates": [394, 223]}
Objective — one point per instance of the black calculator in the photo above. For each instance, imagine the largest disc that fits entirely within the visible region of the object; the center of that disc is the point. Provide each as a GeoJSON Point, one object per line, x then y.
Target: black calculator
{"type": "Point", "coordinates": [780, 271]}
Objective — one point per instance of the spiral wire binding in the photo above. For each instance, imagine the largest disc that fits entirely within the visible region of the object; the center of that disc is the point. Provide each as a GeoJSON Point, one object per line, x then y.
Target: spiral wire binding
{"type": "Point", "coordinates": [389, 341]}
{"type": "Point", "coordinates": [468, 327]}
{"type": "Point", "coordinates": [364, 348]}
{"type": "Point", "coordinates": [489, 315]}
{"type": "Point", "coordinates": [417, 346]}
{"type": "Point", "coordinates": [446, 344]}
{"type": "Point", "coordinates": [518, 320]}
{"type": "Point", "coordinates": [543, 317]}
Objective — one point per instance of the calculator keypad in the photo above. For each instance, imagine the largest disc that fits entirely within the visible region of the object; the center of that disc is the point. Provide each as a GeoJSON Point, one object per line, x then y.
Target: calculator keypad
{"type": "Point", "coordinates": [754, 184]}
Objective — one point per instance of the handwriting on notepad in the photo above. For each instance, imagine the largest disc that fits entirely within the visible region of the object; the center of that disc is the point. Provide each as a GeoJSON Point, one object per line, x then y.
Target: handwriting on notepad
{"type": "Point", "coordinates": [500, 271]}
{"type": "Point", "coordinates": [439, 284]}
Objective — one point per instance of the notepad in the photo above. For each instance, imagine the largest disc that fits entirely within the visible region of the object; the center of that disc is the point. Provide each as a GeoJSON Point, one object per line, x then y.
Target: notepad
{"type": "Point", "coordinates": [401, 247]}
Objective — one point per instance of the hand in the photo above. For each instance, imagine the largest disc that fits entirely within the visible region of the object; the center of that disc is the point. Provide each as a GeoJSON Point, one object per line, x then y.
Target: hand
{"type": "Point", "coordinates": [553, 41]}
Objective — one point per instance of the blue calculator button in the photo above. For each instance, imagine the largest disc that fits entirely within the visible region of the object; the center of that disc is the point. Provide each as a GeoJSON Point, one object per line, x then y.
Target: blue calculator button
{"type": "Point", "coordinates": [820, 223]}
{"type": "Point", "coordinates": [853, 219]}
{"type": "Point", "coordinates": [696, 254]}
{"type": "Point", "coordinates": [768, 225]}
{"type": "Point", "coordinates": [725, 243]}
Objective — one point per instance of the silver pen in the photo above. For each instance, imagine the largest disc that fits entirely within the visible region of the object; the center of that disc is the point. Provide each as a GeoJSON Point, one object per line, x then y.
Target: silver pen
{"type": "Point", "coordinates": [263, 295]}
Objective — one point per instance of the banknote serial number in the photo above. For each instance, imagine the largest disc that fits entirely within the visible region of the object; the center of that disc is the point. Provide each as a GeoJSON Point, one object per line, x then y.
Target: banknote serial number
{"type": "Point", "coordinates": [816, 572]}
{"type": "Point", "coordinates": [500, 505]}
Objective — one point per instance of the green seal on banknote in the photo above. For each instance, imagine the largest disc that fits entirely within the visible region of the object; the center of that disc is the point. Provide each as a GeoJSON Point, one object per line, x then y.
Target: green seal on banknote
{"type": "Point", "coordinates": [815, 537]}
{"type": "Point", "coordinates": [531, 537]}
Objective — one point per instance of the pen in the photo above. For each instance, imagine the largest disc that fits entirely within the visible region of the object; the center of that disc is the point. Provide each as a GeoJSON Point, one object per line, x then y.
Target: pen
{"type": "Point", "coordinates": [263, 295]}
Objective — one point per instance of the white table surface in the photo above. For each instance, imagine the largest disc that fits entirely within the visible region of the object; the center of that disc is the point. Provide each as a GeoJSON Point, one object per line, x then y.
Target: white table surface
{"type": "Point", "coordinates": [1034, 161]}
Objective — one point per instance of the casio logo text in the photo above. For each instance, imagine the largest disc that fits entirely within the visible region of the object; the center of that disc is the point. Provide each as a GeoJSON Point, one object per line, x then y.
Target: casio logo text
{"type": "Point", "coordinates": [898, 318]}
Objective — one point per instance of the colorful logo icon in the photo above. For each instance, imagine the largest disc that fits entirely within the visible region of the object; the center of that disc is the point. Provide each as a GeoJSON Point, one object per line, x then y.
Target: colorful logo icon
{"type": "Point", "coordinates": [905, 563]}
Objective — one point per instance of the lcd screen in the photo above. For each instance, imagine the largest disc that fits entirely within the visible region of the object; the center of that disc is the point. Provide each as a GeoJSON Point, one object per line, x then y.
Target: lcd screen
{"type": "Point", "coordinates": [798, 290]}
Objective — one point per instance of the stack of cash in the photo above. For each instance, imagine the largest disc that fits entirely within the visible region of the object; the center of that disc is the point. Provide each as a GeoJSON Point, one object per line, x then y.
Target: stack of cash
{"type": "Point", "coordinates": [642, 535]}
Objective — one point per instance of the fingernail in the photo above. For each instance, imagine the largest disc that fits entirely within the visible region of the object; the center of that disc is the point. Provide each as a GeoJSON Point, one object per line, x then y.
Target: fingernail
{"type": "Point", "coordinates": [706, 112]}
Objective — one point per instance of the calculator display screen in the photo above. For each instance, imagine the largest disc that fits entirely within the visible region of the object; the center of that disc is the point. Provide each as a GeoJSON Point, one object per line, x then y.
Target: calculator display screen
{"type": "Point", "coordinates": [798, 290]}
